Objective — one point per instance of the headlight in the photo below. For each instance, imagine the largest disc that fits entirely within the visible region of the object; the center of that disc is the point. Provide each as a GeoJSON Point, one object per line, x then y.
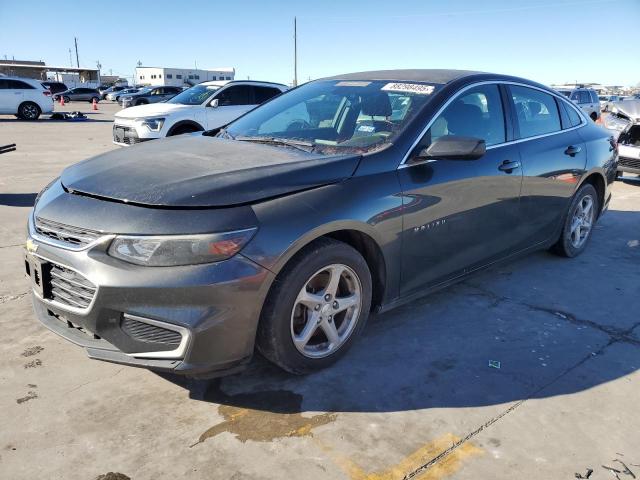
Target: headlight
{"type": "Point", "coordinates": [153, 124]}
{"type": "Point", "coordinates": [172, 250]}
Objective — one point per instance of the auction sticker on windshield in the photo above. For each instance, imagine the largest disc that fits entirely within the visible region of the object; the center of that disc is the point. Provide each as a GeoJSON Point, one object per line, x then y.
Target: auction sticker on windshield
{"type": "Point", "coordinates": [409, 88]}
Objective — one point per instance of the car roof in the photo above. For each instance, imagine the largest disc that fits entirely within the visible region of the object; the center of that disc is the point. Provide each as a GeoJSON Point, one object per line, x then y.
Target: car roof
{"type": "Point", "coordinates": [441, 76]}
{"type": "Point", "coordinates": [30, 81]}
{"type": "Point", "coordinates": [216, 83]}
{"type": "Point", "coordinates": [250, 82]}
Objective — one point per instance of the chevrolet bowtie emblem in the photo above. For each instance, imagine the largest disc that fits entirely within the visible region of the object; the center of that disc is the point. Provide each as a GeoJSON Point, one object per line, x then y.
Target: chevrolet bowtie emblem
{"type": "Point", "coordinates": [32, 247]}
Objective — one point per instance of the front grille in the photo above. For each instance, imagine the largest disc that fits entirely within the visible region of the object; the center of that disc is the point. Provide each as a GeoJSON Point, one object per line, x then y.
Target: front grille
{"type": "Point", "coordinates": [147, 333]}
{"type": "Point", "coordinates": [69, 287]}
{"type": "Point", "coordinates": [124, 134]}
{"type": "Point", "coordinates": [629, 162]}
{"type": "Point", "coordinates": [78, 237]}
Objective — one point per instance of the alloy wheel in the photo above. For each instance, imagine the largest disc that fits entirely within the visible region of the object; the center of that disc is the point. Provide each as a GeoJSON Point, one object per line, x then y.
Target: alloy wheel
{"type": "Point", "coordinates": [582, 221]}
{"type": "Point", "coordinates": [326, 311]}
{"type": "Point", "coordinates": [30, 111]}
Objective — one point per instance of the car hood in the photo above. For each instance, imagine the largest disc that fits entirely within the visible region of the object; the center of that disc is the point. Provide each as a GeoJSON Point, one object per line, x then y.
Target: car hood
{"type": "Point", "coordinates": [203, 172]}
{"type": "Point", "coordinates": [153, 109]}
{"type": "Point", "coordinates": [629, 108]}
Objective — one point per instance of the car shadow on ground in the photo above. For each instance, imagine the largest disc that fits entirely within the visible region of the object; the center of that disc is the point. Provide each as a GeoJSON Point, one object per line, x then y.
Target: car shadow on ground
{"type": "Point", "coordinates": [630, 180]}
{"type": "Point", "coordinates": [18, 199]}
{"type": "Point", "coordinates": [509, 333]}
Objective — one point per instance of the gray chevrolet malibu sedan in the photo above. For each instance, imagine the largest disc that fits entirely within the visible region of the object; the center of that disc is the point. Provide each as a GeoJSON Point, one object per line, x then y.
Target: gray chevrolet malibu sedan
{"type": "Point", "coordinates": [286, 228]}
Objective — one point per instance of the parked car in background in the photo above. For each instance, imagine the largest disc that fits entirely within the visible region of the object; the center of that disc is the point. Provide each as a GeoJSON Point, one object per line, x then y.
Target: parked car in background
{"type": "Point", "coordinates": [606, 105]}
{"type": "Point", "coordinates": [115, 96]}
{"type": "Point", "coordinates": [624, 119]}
{"type": "Point", "coordinates": [25, 98]}
{"type": "Point", "coordinates": [586, 98]}
{"type": "Point", "coordinates": [79, 94]}
{"type": "Point", "coordinates": [55, 87]}
{"type": "Point", "coordinates": [286, 228]}
{"type": "Point", "coordinates": [150, 95]}
{"type": "Point", "coordinates": [202, 107]}
{"type": "Point", "coordinates": [107, 91]}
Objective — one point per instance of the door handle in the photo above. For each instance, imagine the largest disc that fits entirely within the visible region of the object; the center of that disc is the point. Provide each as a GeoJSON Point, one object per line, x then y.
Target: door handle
{"type": "Point", "coordinates": [509, 166]}
{"type": "Point", "coordinates": [572, 150]}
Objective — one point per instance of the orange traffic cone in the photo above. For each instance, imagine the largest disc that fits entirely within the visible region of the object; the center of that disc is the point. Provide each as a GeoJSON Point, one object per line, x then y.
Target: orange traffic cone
{"type": "Point", "coordinates": [95, 104]}
{"type": "Point", "coordinates": [61, 101]}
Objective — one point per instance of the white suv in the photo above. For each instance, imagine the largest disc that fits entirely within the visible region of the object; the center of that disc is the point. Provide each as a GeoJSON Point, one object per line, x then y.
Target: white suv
{"type": "Point", "coordinates": [25, 98]}
{"type": "Point", "coordinates": [204, 106]}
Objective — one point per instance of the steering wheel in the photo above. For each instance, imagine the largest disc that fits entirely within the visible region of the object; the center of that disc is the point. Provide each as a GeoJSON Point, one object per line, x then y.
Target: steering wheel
{"type": "Point", "coordinates": [298, 125]}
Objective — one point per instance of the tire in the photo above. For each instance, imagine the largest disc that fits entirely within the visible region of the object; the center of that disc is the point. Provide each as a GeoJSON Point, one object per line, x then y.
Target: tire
{"type": "Point", "coordinates": [594, 116]}
{"type": "Point", "coordinates": [66, 99]}
{"type": "Point", "coordinates": [284, 316]}
{"type": "Point", "coordinates": [94, 98]}
{"type": "Point", "coordinates": [184, 129]}
{"type": "Point", "coordinates": [29, 111]}
{"type": "Point", "coordinates": [572, 243]}
{"type": "Point", "coordinates": [141, 102]}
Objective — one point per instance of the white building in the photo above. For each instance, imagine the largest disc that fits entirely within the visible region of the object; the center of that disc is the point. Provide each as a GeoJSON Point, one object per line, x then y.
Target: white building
{"type": "Point", "coordinates": [179, 77]}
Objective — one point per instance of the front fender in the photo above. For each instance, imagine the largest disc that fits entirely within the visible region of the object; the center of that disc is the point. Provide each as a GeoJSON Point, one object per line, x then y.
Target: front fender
{"type": "Point", "coordinates": [370, 205]}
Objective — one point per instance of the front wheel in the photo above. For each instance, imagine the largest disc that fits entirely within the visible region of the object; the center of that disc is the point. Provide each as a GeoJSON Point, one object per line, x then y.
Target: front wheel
{"type": "Point", "coordinates": [318, 306]}
{"type": "Point", "coordinates": [578, 225]}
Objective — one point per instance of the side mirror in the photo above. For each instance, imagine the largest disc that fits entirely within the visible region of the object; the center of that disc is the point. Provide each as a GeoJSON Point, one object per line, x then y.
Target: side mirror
{"type": "Point", "coordinates": [214, 103]}
{"type": "Point", "coordinates": [453, 147]}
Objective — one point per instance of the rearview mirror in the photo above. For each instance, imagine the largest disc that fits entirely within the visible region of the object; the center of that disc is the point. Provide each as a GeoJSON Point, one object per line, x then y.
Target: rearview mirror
{"type": "Point", "coordinates": [453, 147]}
{"type": "Point", "coordinates": [214, 103]}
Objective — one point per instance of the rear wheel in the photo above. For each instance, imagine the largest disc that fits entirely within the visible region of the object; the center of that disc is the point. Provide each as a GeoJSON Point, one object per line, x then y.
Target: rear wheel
{"type": "Point", "coordinates": [66, 99]}
{"type": "Point", "coordinates": [29, 111]}
{"type": "Point", "coordinates": [317, 308]}
{"type": "Point", "coordinates": [579, 222]}
{"type": "Point", "coordinates": [94, 98]}
{"type": "Point", "coordinates": [142, 102]}
{"type": "Point", "coordinates": [594, 116]}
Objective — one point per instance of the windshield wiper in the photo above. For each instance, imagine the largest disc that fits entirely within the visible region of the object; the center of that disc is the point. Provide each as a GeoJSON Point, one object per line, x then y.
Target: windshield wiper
{"type": "Point", "coordinates": [287, 142]}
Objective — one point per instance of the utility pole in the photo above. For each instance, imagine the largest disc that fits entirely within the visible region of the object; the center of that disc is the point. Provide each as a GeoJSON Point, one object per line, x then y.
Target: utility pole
{"type": "Point", "coordinates": [77, 59]}
{"type": "Point", "coordinates": [70, 59]}
{"type": "Point", "coordinates": [295, 52]}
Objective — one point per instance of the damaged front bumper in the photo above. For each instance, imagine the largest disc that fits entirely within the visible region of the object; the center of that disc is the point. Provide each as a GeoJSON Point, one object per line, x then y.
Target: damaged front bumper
{"type": "Point", "coordinates": [198, 319]}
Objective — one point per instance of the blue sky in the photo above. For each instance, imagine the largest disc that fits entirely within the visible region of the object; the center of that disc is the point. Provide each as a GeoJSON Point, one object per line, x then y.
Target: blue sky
{"type": "Point", "coordinates": [548, 41]}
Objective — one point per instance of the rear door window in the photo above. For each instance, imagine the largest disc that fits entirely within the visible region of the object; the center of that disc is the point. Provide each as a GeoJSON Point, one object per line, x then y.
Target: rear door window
{"type": "Point", "coordinates": [262, 94]}
{"type": "Point", "coordinates": [18, 85]}
{"type": "Point", "coordinates": [236, 95]}
{"type": "Point", "coordinates": [536, 111]}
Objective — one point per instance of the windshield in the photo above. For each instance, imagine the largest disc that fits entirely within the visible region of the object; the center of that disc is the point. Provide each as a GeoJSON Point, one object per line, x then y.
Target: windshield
{"type": "Point", "coordinates": [195, 95]}
{"type": "Point", "coordinates": [335, 115]}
